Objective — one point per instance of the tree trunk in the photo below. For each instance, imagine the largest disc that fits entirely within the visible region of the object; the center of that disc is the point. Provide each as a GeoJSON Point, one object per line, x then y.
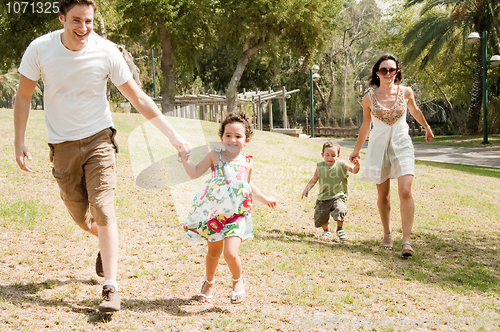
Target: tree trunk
{"type": "Point", "coordinates": [472, 125]}
{"type": "Point", "coordinates": [168, 70]}
{"type": "Point", "coordinates": [232, 88]}
{"type": "Point", "coordinates": [450, 105]}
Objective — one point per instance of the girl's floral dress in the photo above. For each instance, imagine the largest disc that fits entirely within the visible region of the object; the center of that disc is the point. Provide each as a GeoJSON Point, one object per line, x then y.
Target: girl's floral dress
{"type": "Point", "coordinates": [222, 206]}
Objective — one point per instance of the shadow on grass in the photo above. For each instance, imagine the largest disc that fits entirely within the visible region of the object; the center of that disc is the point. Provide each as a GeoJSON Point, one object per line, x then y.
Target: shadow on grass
{"type": "Point", "coordinates": [458, 260]}
{"type": "Point", "coordinates": [20, 294]}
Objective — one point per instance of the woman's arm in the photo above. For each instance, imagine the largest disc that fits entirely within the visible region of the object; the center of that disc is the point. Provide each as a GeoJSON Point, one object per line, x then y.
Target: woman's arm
{"type": "Point", "coordinates": [364, 130]}
{"type": "Point", "coordinates": [417, 113]}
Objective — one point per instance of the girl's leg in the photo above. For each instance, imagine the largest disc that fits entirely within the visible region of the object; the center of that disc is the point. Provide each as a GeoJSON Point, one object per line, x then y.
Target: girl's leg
{"type": "Point", "coordinates": [384, 205]}
{"type": "Point", "coordinates": [407, 205]}
{"type": "Point", "coordinates": [231, 248]}
{"type": "Point", "coordinates": [212, 260]}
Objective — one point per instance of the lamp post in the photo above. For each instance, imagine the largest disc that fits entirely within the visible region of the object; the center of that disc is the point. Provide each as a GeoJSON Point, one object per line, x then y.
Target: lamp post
{"type": "Point", "coordinates": [154, 74]}
{"type": "Point", "coordinates": [313, 76]}
{"type": "Point", "coordinates": [495, 61]}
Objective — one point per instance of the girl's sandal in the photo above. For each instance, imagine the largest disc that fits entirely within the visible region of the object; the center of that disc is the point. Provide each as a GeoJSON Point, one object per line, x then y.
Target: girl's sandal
{"type": "Point", "coordinates": [407, 250]}
{"type": "Point", "coordinates": [387, 241]}
{"type": "Point", "coordinates": [240, 293]}
{"type": "Point", "coordinates": [202, 297]}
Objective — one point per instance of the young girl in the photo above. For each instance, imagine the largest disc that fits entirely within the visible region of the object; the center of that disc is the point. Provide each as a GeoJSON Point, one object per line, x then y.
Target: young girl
{"type": "Point", "coordinates": [221, 211]}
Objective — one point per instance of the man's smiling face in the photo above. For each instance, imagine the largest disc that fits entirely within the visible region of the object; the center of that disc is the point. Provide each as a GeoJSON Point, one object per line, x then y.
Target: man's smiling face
{"type": "Point", "coordinates": [78, 24]}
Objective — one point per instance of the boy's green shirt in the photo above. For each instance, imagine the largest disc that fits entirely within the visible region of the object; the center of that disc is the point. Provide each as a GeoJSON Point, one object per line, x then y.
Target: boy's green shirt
{"type": "Point", "coordinates": [332, 180]}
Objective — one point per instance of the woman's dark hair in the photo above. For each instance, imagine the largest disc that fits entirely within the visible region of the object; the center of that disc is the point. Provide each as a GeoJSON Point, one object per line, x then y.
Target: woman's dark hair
{"type": "Point", "coordinates": [66, 5]}
{"type": "Point", "coordinates": [373, 79]}
{"type": "Point", "coordinates": [238, 116]}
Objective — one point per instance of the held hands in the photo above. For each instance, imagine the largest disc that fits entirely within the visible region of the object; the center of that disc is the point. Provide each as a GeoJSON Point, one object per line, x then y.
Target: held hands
{"type": "Point", "coordinates": [354, 157]}
{"type": "Point", "coordinates": [21, 153]}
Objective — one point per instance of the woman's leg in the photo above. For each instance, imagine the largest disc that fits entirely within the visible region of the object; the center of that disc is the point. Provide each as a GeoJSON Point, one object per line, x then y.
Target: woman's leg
{"type": "Point", "coordinates": [384, 205]}
{"type": "Point", "coordinates": [407, 205]}
{"type": "Point", "coordinates": [212, 260]}
{"type": "Point", "coordinates": [231, 248]}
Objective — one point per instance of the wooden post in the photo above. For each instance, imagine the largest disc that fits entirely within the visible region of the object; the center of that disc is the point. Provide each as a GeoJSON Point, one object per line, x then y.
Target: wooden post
{"type": "Point", "coordinates": [285, 116]}
{"type": "Point", "coordinates": [259, 112]}
{"type": "Point", "coordinates": [270, 115]}
{"type": "Point", "coordinates": [307, 126]}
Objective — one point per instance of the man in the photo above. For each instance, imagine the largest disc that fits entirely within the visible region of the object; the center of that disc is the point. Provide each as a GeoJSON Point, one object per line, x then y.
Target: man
{"type": "Point", "coordinates": [74, 64]}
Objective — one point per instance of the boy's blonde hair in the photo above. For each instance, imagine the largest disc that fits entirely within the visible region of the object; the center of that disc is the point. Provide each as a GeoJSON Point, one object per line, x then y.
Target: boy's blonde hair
{"type": "Point", "coordinates": [331, 144]}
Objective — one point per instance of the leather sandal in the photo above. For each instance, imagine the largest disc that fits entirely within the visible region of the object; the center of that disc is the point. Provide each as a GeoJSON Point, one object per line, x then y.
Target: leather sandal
{"type": "Point", "coordinates": [387, 241]}
{"type": "Point", "coordinates": [202, 297]}
{"type": "Point", "coordinates": [234, 294]}
{"type": "Point", "coordinates": [407, 249]}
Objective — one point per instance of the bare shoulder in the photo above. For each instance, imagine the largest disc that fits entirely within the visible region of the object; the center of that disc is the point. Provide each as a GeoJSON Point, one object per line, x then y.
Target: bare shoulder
{"type": "Point", "coordinates": [408, 91]}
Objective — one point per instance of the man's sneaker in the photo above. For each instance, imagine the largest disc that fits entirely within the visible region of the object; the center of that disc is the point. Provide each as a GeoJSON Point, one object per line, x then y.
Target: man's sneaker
{"type": "Point", "coordinates": [326, 235]}
{"type": "Point", "coordinates": [110, 299]}
{"type": "Point", "coordinates": [99, 270]}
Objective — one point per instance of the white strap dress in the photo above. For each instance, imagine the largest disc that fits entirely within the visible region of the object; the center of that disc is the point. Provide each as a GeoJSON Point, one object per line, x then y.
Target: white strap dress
{"type": "Point", "coordinates": [390, 152]}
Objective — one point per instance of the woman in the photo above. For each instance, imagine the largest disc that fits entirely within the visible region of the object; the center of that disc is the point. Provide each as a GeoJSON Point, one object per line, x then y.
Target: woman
{"type": "Point", "coordinates": [390, 152]}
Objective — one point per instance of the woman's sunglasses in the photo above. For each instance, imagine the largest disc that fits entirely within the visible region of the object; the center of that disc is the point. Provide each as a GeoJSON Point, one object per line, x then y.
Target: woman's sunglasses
{"type": "Point", "coordinates": [384, 71]}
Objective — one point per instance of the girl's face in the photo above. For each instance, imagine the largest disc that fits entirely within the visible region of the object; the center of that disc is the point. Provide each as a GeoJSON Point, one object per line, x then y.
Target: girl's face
{"type": "Point", "coordinates": [234, 138]}
{"type": "Point", "coordinates": [387, 71]}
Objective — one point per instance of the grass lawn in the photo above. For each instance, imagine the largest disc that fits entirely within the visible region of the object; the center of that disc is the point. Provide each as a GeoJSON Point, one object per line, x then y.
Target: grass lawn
{"type": "Point", "coordinates": [295, 281]}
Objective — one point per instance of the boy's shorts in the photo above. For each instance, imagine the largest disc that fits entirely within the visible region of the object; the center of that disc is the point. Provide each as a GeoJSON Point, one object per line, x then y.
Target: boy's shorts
{"type": "Point", "coordinates": [336, 207]}
{"type": "Point", "coordinates": [85, 171]}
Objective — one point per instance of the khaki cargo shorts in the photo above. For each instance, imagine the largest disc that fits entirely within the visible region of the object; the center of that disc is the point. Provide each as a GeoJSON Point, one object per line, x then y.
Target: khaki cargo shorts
{"type": "Point", "coordinates": [335, 207]}
{"type": "Point", "coordinates": [85, 171]}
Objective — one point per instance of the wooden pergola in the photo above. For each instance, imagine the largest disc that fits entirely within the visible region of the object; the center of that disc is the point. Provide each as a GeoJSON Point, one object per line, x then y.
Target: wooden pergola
{"type": "Point", "coordinates": [211, 107]}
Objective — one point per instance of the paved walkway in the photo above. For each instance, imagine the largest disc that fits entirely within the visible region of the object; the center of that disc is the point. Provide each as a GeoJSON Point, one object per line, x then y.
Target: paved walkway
{"type": "Point", "coordinates": [476, 156]}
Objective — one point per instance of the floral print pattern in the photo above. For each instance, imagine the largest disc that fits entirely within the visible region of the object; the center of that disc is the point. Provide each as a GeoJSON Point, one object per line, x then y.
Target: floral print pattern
{"type": "Point", "coordinates": [389, 115]}
{"type": "Point", "coordinates": [222, 206]}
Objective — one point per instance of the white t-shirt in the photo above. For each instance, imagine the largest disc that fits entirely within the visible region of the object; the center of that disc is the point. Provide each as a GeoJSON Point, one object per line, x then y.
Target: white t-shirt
{"type": "Point", "coordinates": [74, 97]}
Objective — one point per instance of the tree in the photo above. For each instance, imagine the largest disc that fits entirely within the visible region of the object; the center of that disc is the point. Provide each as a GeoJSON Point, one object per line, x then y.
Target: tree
{"type": "Point", "coordinates": [18, 27]}
{"type": "Point", "coordinates": [250, 26]}
{"type": "Point", "coordinates": [448, 29]}
{"type": "Point", "coordinates": [347, 53]}
{"type": "Point", "coordinates": [181, 29]}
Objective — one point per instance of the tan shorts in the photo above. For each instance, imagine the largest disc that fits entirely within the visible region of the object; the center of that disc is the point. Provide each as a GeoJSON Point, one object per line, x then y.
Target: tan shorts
{"type": "Point", "coordinates": [335, 207]}
{"type": "Point", "coordinates": [85, 171]}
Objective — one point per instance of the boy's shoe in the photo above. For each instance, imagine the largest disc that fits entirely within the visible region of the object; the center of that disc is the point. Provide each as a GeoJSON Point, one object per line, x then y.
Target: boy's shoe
{"type": "Point", "coordinates": [342, 235]}
{"type": "Point", "coordinates": [99, 270]}
{"type": "Point", "coordinates": [110, 299]}
{"type": "Point", "coordinates": [326, 235]}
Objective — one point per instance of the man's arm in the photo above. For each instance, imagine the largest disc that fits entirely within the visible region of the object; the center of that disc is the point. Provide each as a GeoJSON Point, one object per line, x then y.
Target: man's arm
{"type": "Point", "coordinates": [22, 106]}
{"type": "Point", "coordinates": [147, 107]}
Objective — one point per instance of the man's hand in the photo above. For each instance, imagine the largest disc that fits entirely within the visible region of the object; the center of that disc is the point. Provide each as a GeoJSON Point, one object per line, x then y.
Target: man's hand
{"type": "Point", "coordinates": [21, 153]}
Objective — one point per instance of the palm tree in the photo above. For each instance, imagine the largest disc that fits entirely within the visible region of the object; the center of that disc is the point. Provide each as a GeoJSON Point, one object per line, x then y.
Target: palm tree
{"type": "Point", "coordinates": [447, 23]}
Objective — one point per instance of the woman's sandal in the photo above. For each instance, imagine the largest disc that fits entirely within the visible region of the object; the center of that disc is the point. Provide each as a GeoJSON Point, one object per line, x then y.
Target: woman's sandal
{"type": "Point", "coordinates": [234, 294]}
{"type": "Point", "coordinates": [387, 241]}
{"type": "Point", "coordinates": [407, 249]}
{"type": "Point", "coordinates": [202, 297]}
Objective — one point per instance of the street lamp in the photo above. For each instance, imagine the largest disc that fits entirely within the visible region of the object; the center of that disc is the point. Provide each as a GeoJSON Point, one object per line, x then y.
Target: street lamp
{"type": "Point", "coordinates": [313, 77]}
{"type": "Point", "coordinates": [495, 61]}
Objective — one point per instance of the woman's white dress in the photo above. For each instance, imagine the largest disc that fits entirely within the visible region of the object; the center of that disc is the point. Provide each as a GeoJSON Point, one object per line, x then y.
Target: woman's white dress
{"type": "Point", "coordinates": [390, 151]}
